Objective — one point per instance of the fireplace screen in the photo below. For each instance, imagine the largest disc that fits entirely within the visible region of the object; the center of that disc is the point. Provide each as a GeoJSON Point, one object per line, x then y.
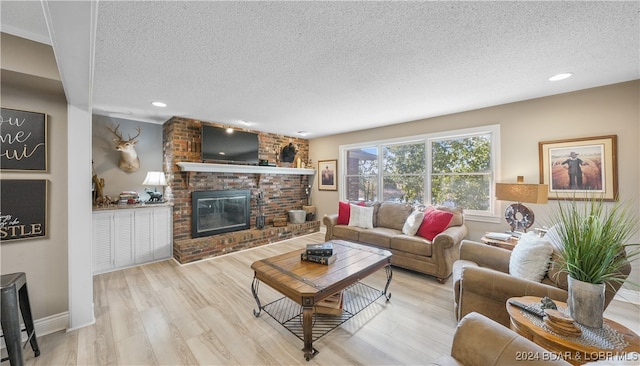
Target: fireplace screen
{"type": "Point", "coordinates": [216, 212]}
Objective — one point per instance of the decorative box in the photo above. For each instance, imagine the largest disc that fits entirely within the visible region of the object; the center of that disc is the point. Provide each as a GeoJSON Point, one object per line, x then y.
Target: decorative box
{"type": "Point", "coordinates": [279, 221]}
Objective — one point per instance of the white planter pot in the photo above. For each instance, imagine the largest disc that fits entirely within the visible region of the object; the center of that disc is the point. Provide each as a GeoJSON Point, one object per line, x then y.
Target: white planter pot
{"type": "Point", "coordinates": [586, 302]}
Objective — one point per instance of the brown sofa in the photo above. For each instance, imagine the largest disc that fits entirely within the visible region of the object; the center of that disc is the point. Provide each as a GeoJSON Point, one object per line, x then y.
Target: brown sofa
{"type": "Point", "coordinates": [416, 253]}
{"type": "Point", "coordinates": [482, 283]}
{"type": "Point", "coordinates": [479, 341]}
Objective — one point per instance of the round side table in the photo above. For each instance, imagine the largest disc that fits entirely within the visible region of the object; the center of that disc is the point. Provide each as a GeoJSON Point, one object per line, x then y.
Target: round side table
{"type": "Point", "coordinates": [574, 350]}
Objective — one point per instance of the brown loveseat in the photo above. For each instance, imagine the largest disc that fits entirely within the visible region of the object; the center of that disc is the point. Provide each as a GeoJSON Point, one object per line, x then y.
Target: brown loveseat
{"type": "Point", "coordinates": [482, 283]}
{"type": "Point", "coordinates": [416, 253]}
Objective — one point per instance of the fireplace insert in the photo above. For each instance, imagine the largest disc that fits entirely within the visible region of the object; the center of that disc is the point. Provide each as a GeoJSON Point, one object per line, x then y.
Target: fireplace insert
{"type": "Point", "coordinates": [216, 212]}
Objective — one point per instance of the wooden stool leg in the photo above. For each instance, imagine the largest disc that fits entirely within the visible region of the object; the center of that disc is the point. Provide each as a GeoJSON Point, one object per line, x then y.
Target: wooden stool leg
{"type": "Point", "coordinates": [11, 325]}
{"type": "Point", "coordinates": [25, 308]}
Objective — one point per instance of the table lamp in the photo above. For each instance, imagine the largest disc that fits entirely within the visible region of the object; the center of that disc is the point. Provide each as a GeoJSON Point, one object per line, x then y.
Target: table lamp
{"type": "Point", "coordinates": [519, 216]}
{"type": "Point", "coordinates": [154, 179]}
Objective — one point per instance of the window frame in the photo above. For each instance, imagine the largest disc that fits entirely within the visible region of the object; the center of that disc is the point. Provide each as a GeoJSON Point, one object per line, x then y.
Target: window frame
{"type": "Point", "coordinates": [492, 215]}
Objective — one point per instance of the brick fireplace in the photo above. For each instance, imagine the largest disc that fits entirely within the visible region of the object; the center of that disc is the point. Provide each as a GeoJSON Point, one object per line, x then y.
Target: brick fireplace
{"type": "Point", "coordinates": [281, 192]}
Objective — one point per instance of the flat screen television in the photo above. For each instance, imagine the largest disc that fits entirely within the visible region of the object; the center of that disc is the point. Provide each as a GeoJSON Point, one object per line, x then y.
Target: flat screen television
{"type": "Point", "coordinates": [238, 147]}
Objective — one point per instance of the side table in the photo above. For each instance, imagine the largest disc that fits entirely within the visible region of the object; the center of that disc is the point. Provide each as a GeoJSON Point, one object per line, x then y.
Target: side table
{"type": "Point", "coordinates": [504, 244]}
{"type": "Point", "coordinates": [613, 341]}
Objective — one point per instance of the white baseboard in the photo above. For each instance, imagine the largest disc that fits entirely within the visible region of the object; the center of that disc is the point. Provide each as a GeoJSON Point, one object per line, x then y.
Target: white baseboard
{"type": "Point", "coordinates": [44, 326]}
{"type": "Point", "coordinates": [627, 295]}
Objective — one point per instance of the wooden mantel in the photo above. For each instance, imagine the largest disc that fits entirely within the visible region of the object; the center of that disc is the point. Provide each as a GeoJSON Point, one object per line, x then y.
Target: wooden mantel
{"type": "Point", "coordinates": [232, 168]}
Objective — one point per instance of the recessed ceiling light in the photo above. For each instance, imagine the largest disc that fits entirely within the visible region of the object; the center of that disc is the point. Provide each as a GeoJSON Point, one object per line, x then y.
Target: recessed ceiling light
{"type": "Point", "coordinates": [562, 76]}
{"type": "Point", "coordinates": [246, 123]}
{"type": "Point", "coordinates": [303, 133]}
{"type": "Point", "coordinates": [159, 104]}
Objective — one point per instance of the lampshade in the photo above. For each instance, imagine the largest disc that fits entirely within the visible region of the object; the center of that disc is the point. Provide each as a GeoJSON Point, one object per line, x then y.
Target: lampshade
{"type": "Point", "coordinates": [155, 179]}
{"type": "Point", "coordinates": [520, 192]}
{"type": "Point", "coordinates": [519, 216]}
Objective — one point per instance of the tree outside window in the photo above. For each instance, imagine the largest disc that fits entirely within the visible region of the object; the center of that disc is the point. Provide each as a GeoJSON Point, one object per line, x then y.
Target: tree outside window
{"type": "Point", "coordinates": [361, 178]}
{"type": "Point", "coordinates": [461, 172]}
{"type": "Point", "coordinates": [403, 174]}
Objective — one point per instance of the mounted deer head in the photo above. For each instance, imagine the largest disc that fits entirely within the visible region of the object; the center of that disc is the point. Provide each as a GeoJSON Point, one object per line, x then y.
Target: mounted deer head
{"type": "Point", "coordinates": [129, 161]}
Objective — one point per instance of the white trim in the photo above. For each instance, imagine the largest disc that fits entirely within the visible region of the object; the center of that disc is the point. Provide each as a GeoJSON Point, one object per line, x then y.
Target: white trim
{"type": "Point", "coordinates": [483, 218]}
{"type": "Point", "coordinates": [24, 33]}
{"type": "Point", "coordinates": [50, 324]}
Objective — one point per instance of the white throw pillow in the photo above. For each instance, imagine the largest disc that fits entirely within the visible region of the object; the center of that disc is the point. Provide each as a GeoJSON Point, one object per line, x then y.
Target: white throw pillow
{"type": "Point", "coordinates": [413, 222]}
{"type": "Point", "coordinates": [531, 257]}
{"type": "Point", "coordinates": [361, 216]}
{"type": "Point", "coordinates": [553, 237]}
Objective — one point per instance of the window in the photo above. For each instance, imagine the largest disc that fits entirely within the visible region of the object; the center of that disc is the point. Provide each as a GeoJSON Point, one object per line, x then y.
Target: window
{"type": "Point", "coordinates": [454, 168]}
{"type": "Point", "coordinates": [361, 177]}
{"type": "Point", "coordinates": [403, 172]}
{"type": "Point", "coordinates": [461, 173]}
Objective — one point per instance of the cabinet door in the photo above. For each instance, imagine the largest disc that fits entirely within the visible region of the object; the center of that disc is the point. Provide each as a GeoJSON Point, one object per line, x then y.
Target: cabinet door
{"type": "Point", "coordinates": [162, 233]}
{"type": "Point", "coordinates": [124, 237]}
{"type": "Point", "coordinates": [144, 235]}
{"type": "Point", "coordinates": [103, 242]}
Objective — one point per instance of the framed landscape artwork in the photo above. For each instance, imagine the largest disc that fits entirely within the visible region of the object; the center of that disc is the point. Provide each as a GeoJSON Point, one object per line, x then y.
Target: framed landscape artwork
{"type": "Point", "coordinates": [328, 174]}
{"type": "Point", "coordinates": [580, 168]}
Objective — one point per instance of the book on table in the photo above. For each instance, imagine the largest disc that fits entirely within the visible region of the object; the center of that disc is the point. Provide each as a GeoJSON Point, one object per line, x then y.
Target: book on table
{"type": "Point", "coordinates": [322, 259]}
{"type": "Point", "coordinates": [332, 305]}
{"type": "Point", "coordinates": [325, 249]}
{"type": "Point", "coordinates": [498, 236]}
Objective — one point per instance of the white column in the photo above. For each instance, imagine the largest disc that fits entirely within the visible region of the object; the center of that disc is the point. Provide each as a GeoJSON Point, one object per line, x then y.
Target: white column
{"type": "Point", "coordinates": [72, 27]}
{"type": "Point", "coordinates": [80, 211]}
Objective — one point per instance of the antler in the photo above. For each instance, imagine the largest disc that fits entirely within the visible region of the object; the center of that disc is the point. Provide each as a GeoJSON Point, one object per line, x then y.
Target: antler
{"type": "Point", "coordinates": [115, 132]}
{"type": "Point", "coordinates": [119, 135]}
{"type": "Point", "coordinates": [134, 137]}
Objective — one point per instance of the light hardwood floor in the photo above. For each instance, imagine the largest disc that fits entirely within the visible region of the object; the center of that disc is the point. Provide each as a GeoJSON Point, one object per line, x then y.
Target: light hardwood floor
{"type": "Point", "coordinates": [201, 313]}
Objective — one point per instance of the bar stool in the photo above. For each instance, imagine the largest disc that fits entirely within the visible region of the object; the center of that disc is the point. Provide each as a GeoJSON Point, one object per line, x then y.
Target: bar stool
{"type": "Point", "coordinates": [14, 292]}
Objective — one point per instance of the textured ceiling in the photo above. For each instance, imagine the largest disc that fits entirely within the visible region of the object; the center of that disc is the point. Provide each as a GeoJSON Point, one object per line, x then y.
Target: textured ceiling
{"type": "Point", "coordinates": [331, 67]}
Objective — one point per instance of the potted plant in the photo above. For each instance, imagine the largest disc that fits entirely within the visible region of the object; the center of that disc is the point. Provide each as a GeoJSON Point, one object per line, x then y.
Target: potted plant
{"type": "Point", "coordinates": [594, 249]}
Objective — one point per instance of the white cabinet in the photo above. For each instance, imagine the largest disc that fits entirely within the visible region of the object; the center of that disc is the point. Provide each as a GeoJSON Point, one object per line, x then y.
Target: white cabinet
{"type": "Point", "coordinates": [125, 237]}
{"type": "Point", "coordinates": [123, 225]}
{"type": "Point", "coordinates": [144, 235]}
{"type": "Point", "coordinates": [103, 239]}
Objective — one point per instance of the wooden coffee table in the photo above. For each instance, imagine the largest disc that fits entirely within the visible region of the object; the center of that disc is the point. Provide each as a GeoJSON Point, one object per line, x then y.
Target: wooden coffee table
{"type": "Point", "coordinates": [307, 283]}
{"type": "Point", "coordinates": [572, 349]}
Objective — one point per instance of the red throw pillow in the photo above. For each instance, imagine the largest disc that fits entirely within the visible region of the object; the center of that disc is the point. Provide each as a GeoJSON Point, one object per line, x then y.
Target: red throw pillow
{"type": "Point", "coordinates": [344, 212]}
{"type": "Point", "coordinates": [434, 222]}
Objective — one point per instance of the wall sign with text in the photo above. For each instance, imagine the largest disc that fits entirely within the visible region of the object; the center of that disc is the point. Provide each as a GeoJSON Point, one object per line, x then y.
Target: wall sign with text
{"type": "Point", "coordinates": [23, 140]}
{"type": "Point", "coordinates": [23, 209]}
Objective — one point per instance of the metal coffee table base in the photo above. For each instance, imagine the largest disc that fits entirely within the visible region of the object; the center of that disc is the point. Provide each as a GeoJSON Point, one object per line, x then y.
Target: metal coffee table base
{"type": "Point", "coordinates": [291, 315]}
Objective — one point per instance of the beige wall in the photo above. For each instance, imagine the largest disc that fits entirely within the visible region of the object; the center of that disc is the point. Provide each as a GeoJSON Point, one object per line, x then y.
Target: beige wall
{"type": "Point", "coordinates": [606, 110]}
{"type": "Point", "coordinates": [28, 84]}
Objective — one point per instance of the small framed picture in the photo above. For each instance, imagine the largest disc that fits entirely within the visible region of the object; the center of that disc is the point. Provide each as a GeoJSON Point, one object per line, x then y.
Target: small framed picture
{"type": "Point", "coordinates": [580, 168]}
{"type": "Point", "coordinates": [327, 175]}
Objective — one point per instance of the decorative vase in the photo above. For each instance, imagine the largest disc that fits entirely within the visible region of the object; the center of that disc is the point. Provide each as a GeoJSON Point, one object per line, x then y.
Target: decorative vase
{"type": "Point", "coordinates": [586, 302]}
{"type": "Point", "coordinates": [260, 221]}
